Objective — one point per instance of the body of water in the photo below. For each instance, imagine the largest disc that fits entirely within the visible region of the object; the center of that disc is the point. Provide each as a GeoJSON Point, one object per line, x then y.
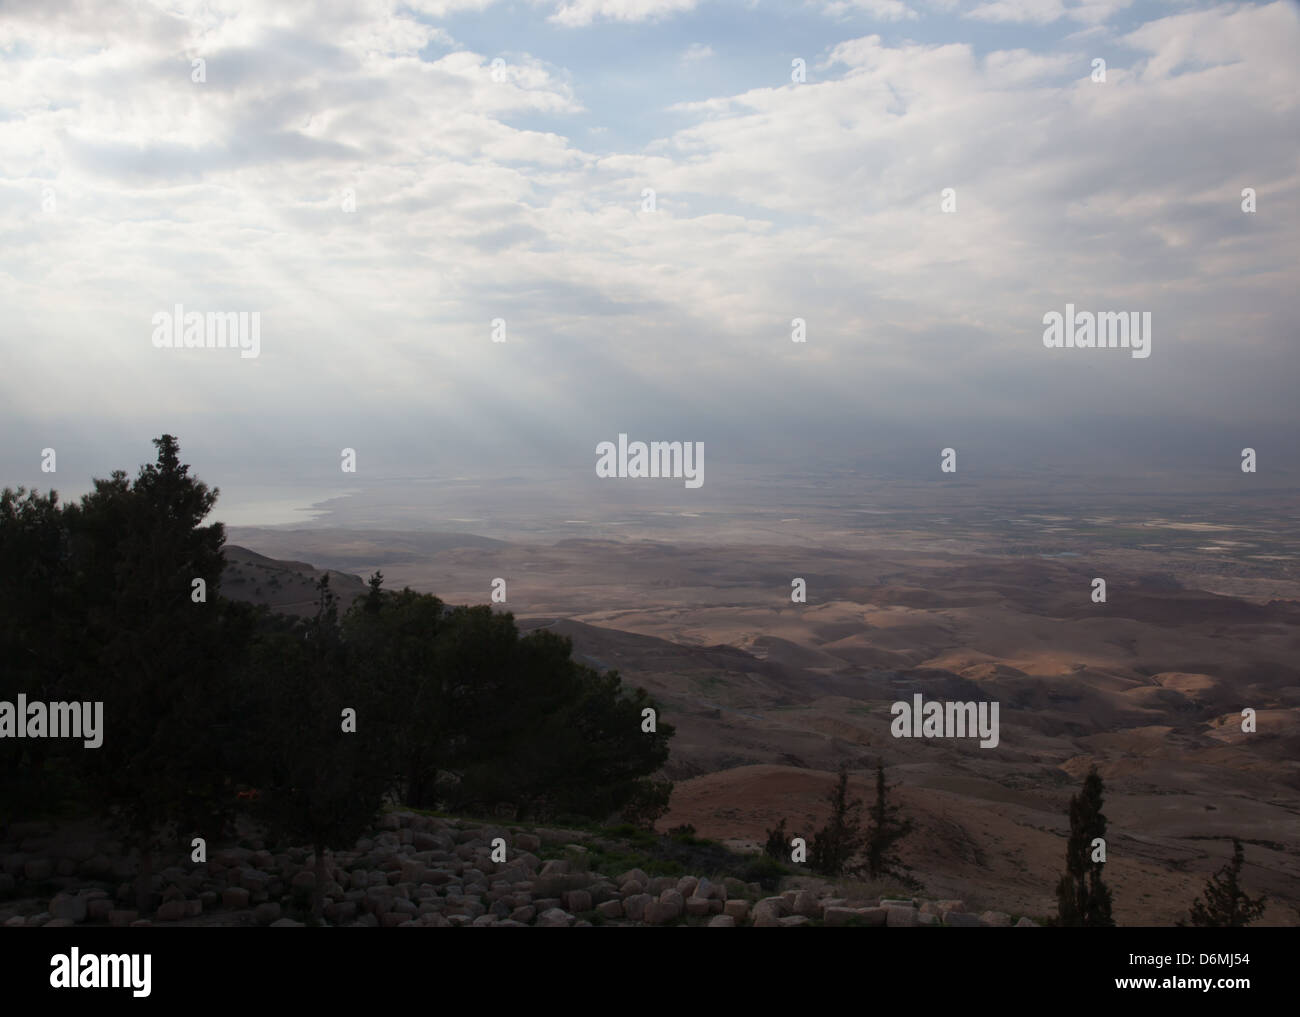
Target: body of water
{"type": "Point", "coordinates": [274, 506]}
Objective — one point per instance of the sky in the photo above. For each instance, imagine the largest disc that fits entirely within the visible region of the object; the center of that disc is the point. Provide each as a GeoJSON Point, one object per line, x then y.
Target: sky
{"type": "Point", "coordinates": [380, 181]}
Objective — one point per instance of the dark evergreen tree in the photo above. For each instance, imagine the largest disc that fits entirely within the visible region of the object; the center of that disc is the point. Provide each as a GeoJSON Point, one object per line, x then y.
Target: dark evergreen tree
{"type": "Point", "coordinates": [538, 730]}
{"type": "Point", "coordinates": [154, 655]}
{"type": "Point", "coordinates": [647, 803]}
{"type": "Point", "coordinates": [204, 696]}
{"type": "Point", "coordinates": [395, 639]}
{"type": "Point", "coordinates": [778, 843]}
{"type": "Point", "coordinates": [1226, 904]}
{"type": "Point", "coordinates": [841, 838]}
{"type": "Point", "coordinates": [1083, 899]}
{"type": "Point", "coordinates": [40, 646]}
{"type": "Point", "coordinates": [326, 760]}
{"type": "Point", "coordinates": [603, 757]}
{"type": "Point", "coordinates": [375, 596]}
{"type": "Point", "coordinates": [482, 718]}
{"type": "Point", "coordinates": [884, 831]}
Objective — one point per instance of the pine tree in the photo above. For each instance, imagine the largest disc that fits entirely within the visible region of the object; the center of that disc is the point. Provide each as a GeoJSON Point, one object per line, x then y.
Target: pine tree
{"type": "Point", "coordinates": [778, 843]}
{"type": "Point", "coordinates": [1226, 903]}
{"type": "Point", "coordinates": [324, 774]}
{"type": "Point", "coordinates": [152, 654]}
{"type": "Point", "coordinates": [647, 803]}
{"type": "Point", "coordinates": [1082, 898]}
{"type": "Point", "coordinates": [40, 648]}
{"type": "Point", "coordinates": [375, 598]}
{"type": "Point", "coordinates": [837, 842]}
{"type": "Point", "coordinates": [885, 830]}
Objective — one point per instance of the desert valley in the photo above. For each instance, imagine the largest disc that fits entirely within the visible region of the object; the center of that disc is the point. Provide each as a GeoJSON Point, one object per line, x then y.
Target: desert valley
{"type": "Point", "coordinates": [983, 598]}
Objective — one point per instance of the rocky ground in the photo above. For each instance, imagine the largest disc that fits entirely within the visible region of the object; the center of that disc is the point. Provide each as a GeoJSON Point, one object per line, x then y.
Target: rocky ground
{"type": "Point", "coordinates": [419, 870]}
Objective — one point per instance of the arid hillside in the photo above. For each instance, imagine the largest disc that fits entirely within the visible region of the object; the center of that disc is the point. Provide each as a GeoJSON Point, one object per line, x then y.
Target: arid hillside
{"type": "Point", "coordinates": [770, 696]}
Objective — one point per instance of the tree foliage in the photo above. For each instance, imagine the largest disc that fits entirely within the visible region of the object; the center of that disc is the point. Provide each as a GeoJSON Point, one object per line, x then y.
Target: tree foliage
{"type": "Point", "coordinates": [841, 838]}
{"type": "Point", "coordinates": [326, 761]}
{"type": "Point", "coordinates": [1083, 899]}
{"type": "Point", "coordinates": [38, 641]}
{"type": "Point", "coordinates": [1226, 904]}
{"type": "Point", "coordinates": [482, 717]}
{"type": "Point", "coordinates": [777, 846]}
{"type": "Point", "coordinates": [884, 831]}
{"type": "Point", "coordinates": [203, 696]}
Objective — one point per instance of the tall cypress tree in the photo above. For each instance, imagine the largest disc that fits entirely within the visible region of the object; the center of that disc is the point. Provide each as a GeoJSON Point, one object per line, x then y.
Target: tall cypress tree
{"type": "Point", "coordinates": [1082, 897]}
{"type": "Point", "coordinates": [885, 830]}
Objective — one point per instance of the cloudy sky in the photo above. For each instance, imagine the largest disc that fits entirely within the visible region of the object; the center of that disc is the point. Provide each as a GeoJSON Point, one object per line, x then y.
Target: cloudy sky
{"type": "Point", "coordinates": [380, 180]}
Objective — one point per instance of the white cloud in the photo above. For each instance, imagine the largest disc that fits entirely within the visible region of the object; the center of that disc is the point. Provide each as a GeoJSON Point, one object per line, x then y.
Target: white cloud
{"type": "Point", "coordinates": [884, 10]}
{"type": "Point", "coordinates": [442, 8]}
{"type": "Point", "coordinates": [818, 200]}
{"type": "Point", "coordinates": [1037, 12]}
{"type": "Point", "coordinates": [583, 12]}
{"type": "Point", "coordinates": [1044, 12]}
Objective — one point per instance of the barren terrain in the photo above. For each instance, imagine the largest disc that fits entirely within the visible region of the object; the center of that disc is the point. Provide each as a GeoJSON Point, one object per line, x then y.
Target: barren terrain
{"type": "Point", "coordinates": [769, 696]}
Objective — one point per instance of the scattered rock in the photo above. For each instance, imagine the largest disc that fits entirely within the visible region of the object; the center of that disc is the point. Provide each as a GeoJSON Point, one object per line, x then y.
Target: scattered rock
{"type": "Point", "coordinates": [173, 911]}
{"type": "Point", "coordinates": [635, 906]}
{"type": "Point", "coordinates": [780, 905]}
{"type": "Point", "coordinates": [737, 909]}
{"type": "Point", "coordinates": [660, 912]}
{"type": "Point", "coordinates": [420, 871]}
{"type": "Point", "coordinates": [698, 907]}
{"type": "Point", "coordinates": [610, 909]}
{"type": "Point", "coordinates": [807, 904]}
{"type": "Point", "coordinates": [734, 887]}
{"type": "Point", "coordinates": [528, 842]}
{"type": "Point", "coordinates": [71, 907]}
